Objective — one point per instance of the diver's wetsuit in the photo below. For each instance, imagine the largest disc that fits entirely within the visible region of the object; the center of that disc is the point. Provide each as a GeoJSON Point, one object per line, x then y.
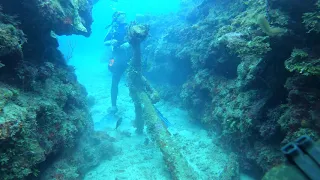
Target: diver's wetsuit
{"type": "Point", "coordinates": [121, 57]}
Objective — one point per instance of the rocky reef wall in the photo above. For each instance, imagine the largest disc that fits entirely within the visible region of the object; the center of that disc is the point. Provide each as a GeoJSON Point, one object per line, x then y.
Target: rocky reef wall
{"type": "Point", "coordinates": [43, 108]}
{"type": "Point", "coordinates": [253, 68]}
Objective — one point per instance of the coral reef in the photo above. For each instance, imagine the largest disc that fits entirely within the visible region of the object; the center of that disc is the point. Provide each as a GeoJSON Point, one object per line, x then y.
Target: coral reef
{"type": "Point", "coordinates": [303, 63]}
{"type": "Point", "coordinates": [11, 38]}
{"type": "Point", "coordinates": [43, 109]}
{"type": "Point", "coordinates": [311, 19]}
{"type": "Point", "coordinates": [252, 68]}
{"type": "Point", "coordinates": [66, 17]}
{"type": "Point", "coordinates": [38, 123]}
{"type": "Point", "coordinates": [248, 70]}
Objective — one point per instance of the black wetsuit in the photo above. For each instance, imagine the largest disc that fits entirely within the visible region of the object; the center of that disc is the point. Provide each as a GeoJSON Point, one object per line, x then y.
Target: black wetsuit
{"type": "Point", "coordinates": [121, 57]}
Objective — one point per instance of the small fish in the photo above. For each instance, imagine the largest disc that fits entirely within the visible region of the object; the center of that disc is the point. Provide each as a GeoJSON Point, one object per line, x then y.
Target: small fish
{"type": "Point", "coordinates": [118, 123]}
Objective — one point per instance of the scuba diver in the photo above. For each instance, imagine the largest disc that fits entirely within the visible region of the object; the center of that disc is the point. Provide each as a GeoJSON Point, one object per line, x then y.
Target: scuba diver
{"type": "Point", "coordinates": [116, 38]}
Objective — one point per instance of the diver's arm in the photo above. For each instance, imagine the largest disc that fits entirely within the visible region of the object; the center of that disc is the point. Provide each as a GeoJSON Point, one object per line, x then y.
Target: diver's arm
{"type": "Point", "coordinates": [110, 42]}
{"type": "Point", "coordinates": [108, 39]}
{"type": "Point", "coordinates": [125, 45]}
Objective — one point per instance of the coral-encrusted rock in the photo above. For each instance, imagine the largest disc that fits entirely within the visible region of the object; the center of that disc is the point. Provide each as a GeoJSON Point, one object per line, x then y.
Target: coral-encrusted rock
{"type": "Point", "coordinates": [67, 17]}
{"type": "Point", "coordinates": [37, 21]}
{"type": "Point", "coordinates": [61, 16]}
{"type": "Point", "coordinates": [302, 62]}
{"type": "Point", "coordinates": [43, 109]}
{"type": "Point", "coordinates": [34, 125]}
{"type": "Point", "coordinates": [11, 38]}
{"type": "Point", "coordinates": [237, 85]}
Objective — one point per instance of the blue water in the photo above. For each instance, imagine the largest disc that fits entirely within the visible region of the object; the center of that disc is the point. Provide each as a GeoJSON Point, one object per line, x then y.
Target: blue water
{"type": "Point", "coordinates": [102, 13]}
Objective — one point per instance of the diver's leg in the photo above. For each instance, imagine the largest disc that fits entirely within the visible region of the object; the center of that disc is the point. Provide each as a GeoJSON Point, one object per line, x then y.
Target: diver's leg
{"type": "Point", "coordinates": [114, 88]}
{"type": "Point", "coordinates": [116, 77]}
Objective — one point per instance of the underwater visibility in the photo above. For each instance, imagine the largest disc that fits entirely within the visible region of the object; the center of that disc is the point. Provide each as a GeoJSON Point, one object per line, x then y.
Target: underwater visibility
{"type": "Point", "coordinates": [159, 89]}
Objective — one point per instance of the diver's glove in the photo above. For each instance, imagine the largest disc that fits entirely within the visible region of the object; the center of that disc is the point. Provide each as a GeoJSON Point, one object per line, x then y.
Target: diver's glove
{"type": "Point", "coordinates": [125, 45]}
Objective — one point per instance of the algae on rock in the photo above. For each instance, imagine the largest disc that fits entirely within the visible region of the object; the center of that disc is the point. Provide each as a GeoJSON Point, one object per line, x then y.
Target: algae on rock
{"type": "Point", "coordinates": [302, 62]}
